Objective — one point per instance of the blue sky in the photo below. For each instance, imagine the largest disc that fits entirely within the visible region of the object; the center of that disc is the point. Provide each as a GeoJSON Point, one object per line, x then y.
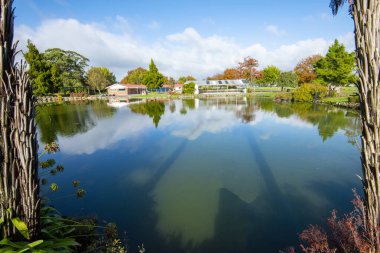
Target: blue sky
{"type": "Point", "coordinates": [198, 37]}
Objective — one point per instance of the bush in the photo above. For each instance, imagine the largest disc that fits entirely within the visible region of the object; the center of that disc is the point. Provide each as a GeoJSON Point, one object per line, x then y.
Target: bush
{"type": "Point", "coordinates": [188, 88]}
{"type": "Point", "coordinates": [284, 96]}
{"type": "Point", "coordinates": [353, 99]}
{"type": "Point", "coordinates": [310, 92]}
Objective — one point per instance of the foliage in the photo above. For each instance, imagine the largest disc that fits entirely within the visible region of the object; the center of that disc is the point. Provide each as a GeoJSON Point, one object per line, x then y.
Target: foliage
{"type": "Point", "coordinates": [287, 79]}
{"type": "Point", "coordinates": [100, 77]}
{"type": "Point", "coordinates": [284, 96]}
{"type": "Point", "coordinates": [232, 74]}
{"type": "Point", "coordinates": [184, 79]}
{"type": "Point", "coordinates": [346, 235]}
{"type": "Point", "coordinates": [270, 76]}
{"type": "Point", "coordinates": [135, 76]}
{"type": "Point", "coordinates": [67, 67]}
{"type": "Point", "coordinates": [337, 67]}
{"type": "Point", "coordinates": [153, 79]}
{"type": "Point", "coordinates": [310, 92]}
{"type": "Point", "coordinates": [39, 71]}
{"type": "Point", "coordinates": [188, 88]}
{"type": "Point", "coordinates": [154, 109]}
{"type": "Point", "coordinates": [247, 68]}
{"type": "Point", "coordinates": [305, 69]}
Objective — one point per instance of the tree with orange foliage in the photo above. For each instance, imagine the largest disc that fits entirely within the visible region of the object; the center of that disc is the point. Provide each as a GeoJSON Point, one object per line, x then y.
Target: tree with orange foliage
{"type": "Point", "coordinates": [248, 68]}
{"type": "Point", "coordinates": [305, 69]}
{"type": "Point", "coordinates": [232, 74]}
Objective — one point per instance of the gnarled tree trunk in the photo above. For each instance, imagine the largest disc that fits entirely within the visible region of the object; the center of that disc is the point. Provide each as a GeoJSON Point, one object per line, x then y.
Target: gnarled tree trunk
{"type": "Point", "coordinates": [19, 186]}
{"type": "Point", "coordinates": [366, 15]}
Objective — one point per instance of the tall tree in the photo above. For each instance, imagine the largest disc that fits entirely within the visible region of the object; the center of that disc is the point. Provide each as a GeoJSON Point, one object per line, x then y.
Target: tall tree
{"type": "Point", "coordinates": [337, 67]}
{"type": "Point", "coordinates": [39, 71]}
{"type": "Point", "coordinates": [68, 67]}
{"type": "Point", "coordinates": [153, 79]}
{"type": "Point", "coordinates": [135, 76]}
{"type": "Point", "coordinates": [305, 69]}
{"type": "Point", "coordinates": [248, 68]}
{"type": "Point", "coordinates": [270, 76]}
{"type": "Point", "coordinates": [366, 16]}
{"type": "Point", "coordinates": [19, 185]}
{"type": "Point", "coordinates": [287, 79]}
{"type": "Point", "coordinates": [100, 77]}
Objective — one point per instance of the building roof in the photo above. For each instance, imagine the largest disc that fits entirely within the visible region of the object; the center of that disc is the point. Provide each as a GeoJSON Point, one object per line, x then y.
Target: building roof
{"type": "Point", "coordinates": [219, 82]}
{"type": "Point", "coordinates": [117, 86]}
{"type": "Point", "coordinates": [172, 85]}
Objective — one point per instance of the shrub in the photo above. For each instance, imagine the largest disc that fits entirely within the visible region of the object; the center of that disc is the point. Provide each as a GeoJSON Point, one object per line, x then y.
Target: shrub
{"type": "Point", "coordinates": [353, 99]}
{"type": "Point", "coordinates": [284, 96]}
{"type": "Point", "coordinates": [310, 92]}
{"type": "Point", "coordinates": [188, 88]}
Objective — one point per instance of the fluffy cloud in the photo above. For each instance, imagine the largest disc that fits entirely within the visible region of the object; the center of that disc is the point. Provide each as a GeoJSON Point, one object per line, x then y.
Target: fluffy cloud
{"type": "Point", "coordinates": [275, 30]}
{"type": "Point", "coordinates": [116, 46]}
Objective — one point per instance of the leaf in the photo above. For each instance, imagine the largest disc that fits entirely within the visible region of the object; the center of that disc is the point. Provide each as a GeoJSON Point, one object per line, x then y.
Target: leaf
{"type": "Point", "coordinates": [21, 227]}
{"type": "Point", "coordinates": [1, 220]}
{"type": "Point", "coordinates": [32, 245]}
{"type": "Point", "coordinates": [54, 187]}
{"type": "Point", "coordinates": [15, 245]}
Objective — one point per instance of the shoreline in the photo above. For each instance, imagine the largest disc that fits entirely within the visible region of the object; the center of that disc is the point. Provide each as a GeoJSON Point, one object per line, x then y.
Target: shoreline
{"type": "Point", "coordinates": [265, 95]}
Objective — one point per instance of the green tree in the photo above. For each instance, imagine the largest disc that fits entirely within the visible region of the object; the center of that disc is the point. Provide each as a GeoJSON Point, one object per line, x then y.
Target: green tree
{"type": "Point", "coordinates": [67, 67]}
{"type": "Point", "coordinates": [184, 79]}
{"type": "Point", "coordinates": [287, 79]}
{"type": "Point", "coordinates": [188, 88]}
{"type": "Point", "coordinates": [337, 67]}
{"type": "Point", "coordinates": [135, 76]}
{"type": "Point", "coordinates": [366, 17]}
{"type": "Point", "coordinates": [100, 77]}
{"type": "Point", "coordinates": [270, 76]}
{"type": "Point", "coordinates": [39, 71]}
{"type": "Point", "coordinates": [153, 79]}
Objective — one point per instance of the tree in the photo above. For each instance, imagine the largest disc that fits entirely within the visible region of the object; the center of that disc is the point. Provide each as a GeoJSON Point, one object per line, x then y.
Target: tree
{"type": "Point", "coordinates": [271, 75]}
{"type": "Point", "coordinates": [231, 74]}
{"type": "Point", "coordinates": [100, 77]}
{"type": "Point", "coordinates": [305, 69]}
{"type": "Point", "coordinates": [188, 88]}
{"type": "Point", "coordinates": [248, 67]}
{"type": "Point", "coordinates": [153, 79]}
{"type": "Point", "coordinates": [134, 76]}
{"type": "Point", "coordinates": [39, 71]}
{"type": "Point", "coordinates": [337, 67]}
{"type": "Point", "coordinates": [184, 79]}
{"type": "Point", "coordinates": [366, 16]}
{"type": "Point", "coordinates": [67, 67]}
{"type": "Point", "coordinates": [287, 79]}
{"type": "Point", "coordinates": [19, 183]}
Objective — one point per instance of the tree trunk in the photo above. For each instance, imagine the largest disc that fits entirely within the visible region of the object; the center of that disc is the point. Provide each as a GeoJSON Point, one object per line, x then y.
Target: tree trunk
{"type": "Point", "coordinates": [366, 15]}
{"type": "Point", "coordinates": [19, 186]}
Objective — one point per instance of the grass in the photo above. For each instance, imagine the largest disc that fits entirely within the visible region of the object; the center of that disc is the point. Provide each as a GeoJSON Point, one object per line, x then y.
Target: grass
{"type": "Point", "coordinates": [336, 99]}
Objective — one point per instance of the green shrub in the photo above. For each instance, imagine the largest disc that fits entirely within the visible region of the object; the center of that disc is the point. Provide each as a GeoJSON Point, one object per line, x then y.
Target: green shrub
{"type": "Point", "coordinates": [310, 92]}
{"type": "Point", "coordinates": [188, 88]}
{"type": "Point", "coordinates": [287, 96]}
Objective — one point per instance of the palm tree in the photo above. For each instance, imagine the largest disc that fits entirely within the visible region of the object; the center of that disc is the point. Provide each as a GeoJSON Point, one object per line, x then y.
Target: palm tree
{"type": "Point", "coordinates": [366, 16]}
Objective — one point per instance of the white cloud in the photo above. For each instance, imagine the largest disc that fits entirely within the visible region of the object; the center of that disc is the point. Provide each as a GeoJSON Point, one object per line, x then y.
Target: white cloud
{"type": "Point", "coordinates": [154, 25]}
{"type": "Point", "coordinates": [115, 45]}
{"type": "Point", "coordinates": [275, 30]}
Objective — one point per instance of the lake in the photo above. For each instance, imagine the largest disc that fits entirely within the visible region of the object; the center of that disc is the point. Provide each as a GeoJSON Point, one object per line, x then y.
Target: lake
{"type": "Point", "coordinates": [204, 175]}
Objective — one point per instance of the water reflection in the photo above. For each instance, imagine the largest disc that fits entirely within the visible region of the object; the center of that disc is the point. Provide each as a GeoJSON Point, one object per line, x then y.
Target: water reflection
{"type": "Point", "coordinates": [69, 119]}
{"type": "Point", "coordinates": [216, 175]}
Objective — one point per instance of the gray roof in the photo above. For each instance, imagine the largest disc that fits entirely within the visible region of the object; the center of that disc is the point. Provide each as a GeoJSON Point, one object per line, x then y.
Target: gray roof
{"type": "Point", "coordinates": [241, 82]}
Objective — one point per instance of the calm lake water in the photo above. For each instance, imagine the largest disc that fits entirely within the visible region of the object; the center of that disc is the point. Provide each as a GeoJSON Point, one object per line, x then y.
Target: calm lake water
{"type": "Point", "coordinates": [218, 175]}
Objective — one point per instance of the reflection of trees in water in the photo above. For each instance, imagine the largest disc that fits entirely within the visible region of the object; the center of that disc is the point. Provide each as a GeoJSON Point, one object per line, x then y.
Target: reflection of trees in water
{"type": "Point", "coordinates": [328, 119]}
{"type": "Point", "coordinates": [247, 112]}
{"type": "Point", "coordinates": [154, 109]}
{"type": "Point", "coordinates": [69, 119]}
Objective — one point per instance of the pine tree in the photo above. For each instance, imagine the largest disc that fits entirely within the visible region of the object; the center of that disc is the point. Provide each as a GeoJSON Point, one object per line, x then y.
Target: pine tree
{"type": "Point", "coordinates": [337, 67]}
{"type": "Point", "coordinates": [153, 79]}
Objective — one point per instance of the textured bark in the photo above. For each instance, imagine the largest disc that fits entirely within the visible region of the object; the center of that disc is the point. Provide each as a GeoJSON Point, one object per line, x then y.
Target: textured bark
{"type": "Point", "coordinates": [367, 37]}
{"type": "Point", "coordinates": [19, 187]}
